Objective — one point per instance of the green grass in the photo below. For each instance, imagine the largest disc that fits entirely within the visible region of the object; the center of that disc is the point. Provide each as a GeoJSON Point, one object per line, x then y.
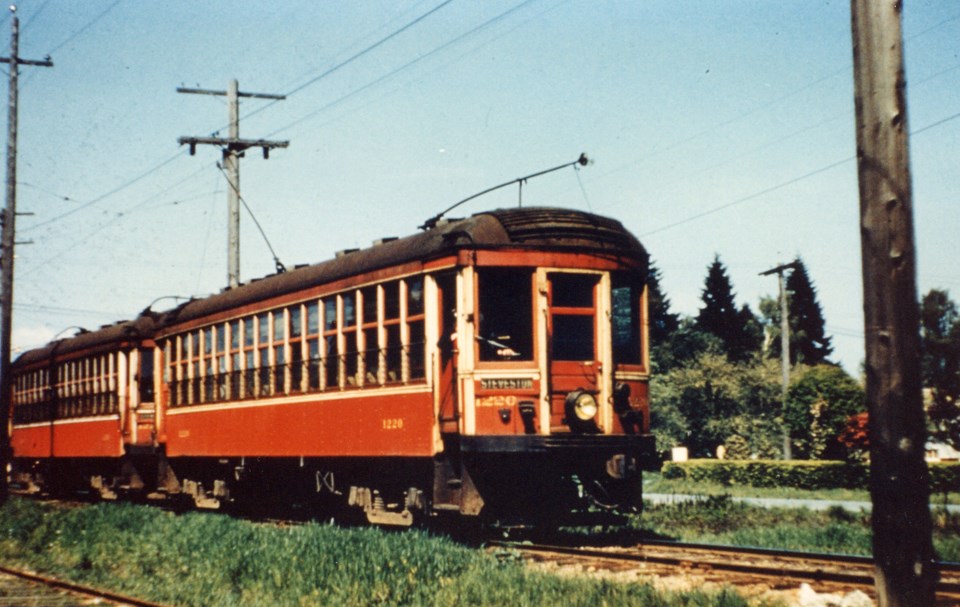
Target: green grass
{"type": "Point", "coordinates": [211, 560]}
{"type": "Point", "coordinates": [655, 483]}
{"type": "Point", "coordinates": [720, 520]}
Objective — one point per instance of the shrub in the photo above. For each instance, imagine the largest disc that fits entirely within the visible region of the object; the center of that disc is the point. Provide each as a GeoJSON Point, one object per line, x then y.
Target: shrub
{"type": "Point", "coordinates": [801, 474]}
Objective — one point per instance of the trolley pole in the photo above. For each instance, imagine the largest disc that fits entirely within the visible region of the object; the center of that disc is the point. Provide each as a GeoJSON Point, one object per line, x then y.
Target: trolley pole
{"type": "Point", "coordinates": [233, 148]}
{"type": "Point", "coordinates": [904, 562]}
{"type": "Point", "coordinates": [8, 238]}
{"type": "Point", "coordinates": [784, 349]}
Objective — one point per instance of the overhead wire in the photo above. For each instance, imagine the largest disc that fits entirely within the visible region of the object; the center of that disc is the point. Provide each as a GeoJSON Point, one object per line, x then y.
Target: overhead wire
{"type": "Point", "coordinates": [782, 184]}
{"type": "Point", "coordinates": [401, 68]}
{"type": "Point", "coordinates": [353, 57]}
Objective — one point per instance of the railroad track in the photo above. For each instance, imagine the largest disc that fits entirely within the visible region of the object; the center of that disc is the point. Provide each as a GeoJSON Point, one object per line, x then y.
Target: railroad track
{"type": "Point", "coordinates": [18, 587]}
{"type": "Point", "coordinates": [734, 565]}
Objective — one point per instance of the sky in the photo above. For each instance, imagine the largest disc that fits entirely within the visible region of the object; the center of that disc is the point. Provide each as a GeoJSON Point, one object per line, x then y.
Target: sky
{"type": "Point", "coordinates": [715, 129]}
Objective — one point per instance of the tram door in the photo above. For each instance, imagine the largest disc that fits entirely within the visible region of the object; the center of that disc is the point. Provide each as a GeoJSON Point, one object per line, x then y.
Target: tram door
{"type": "Point", "coordinates": [146, 408]}
{"type": "Point", "coordinates": [572, 339]}
{"type": "Point", "coordinates": [449, 406]}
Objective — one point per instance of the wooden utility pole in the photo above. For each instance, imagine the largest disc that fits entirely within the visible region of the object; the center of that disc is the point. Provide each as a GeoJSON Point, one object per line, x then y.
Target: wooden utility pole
{"type": "Point", "coordinates": [7, 256]}
{"type": "Point", "coordinates": [899, 485]}
{"type": "Point", "coordinates": [784, 349]}
{"type": "Point", "coordinates": [233, 148]}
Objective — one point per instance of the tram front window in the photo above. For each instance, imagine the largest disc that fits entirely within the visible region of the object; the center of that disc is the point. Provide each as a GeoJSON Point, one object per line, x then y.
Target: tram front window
{"type": "Point", "coordinates": [505, 301]}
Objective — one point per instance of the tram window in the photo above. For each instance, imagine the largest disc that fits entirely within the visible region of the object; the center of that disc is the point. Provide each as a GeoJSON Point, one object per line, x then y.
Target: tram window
{"type": "Point", "coordinates": [572, 311]}
{"type": "Point", "coordinates": [416, 351]}
{"type": "Point", "coordinates": [313, 318]}
{"type": "Point", "coordinates": [573, 337]}
{"type": "Point", "coordinates": [415, 296]}
{"type": "Point", "coordinates": [330, 314]}
{"type": "Point", "coordinates": [393, 354]}
{"type": "Point", "coordinates": [279, 325]}
{"type": "Point", "coordinates": [572, 290]}
{"type": "Point", "coordinates": [146, 375]}
{"type": "Point", "coordinates": [625, 296]}
{"type": "Point", "coordinates": [248, 333]}
{"type": "Point", "coordinates": [506, 317]}
{"type": "Point", "coordinates": [263, 329]}
{"type": "Point", "coordinates": [295, 326]}
{"type": "Point", "coordinates": [349, 310]}
{"type": "Point", "coordinates": [391, 300]}
{"type": "Point", "coordinates": [369, 297]}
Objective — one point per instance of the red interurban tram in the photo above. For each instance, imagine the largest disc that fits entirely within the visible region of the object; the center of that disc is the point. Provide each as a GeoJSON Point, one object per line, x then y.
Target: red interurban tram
{"type": "Point", "coordinates": [492, 367]}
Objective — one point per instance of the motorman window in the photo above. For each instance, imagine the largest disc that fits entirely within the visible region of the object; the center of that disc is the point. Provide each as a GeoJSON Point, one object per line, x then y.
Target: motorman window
{"type": "Point", "coordinates": [572, 309]}
{"type": "Point", "coordinates": [625, 296]}
{"type": "Point", "coordinates": [505, 305]}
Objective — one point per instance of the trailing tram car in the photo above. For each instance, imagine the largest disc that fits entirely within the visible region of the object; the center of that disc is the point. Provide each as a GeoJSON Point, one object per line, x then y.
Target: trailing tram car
{"type": "Point", "coordinates": [84, 410]}
{"type": "Point", "coordinates": [494, 367]}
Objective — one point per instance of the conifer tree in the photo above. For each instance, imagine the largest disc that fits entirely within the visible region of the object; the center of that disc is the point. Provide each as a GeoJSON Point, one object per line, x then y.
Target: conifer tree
{"type": "Point", "coordinates": [940, 343]}
{"type": "Point", "coordinates": [663, 322]}
{"type": "Point", "coordinates": [808, 341]}
{"type": "Point", "coordinates": [721, 317]}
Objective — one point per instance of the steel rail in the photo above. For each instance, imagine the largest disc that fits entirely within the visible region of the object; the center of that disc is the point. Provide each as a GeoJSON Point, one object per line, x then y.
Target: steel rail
{"type": "Point", "coordinates": [790, 566]}
{"type": "Point", "coordinates": [71, 587]}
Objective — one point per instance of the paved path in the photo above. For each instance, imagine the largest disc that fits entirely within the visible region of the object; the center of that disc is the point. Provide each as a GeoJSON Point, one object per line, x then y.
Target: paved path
{"type": "Point", "coordinates": [776, 502]}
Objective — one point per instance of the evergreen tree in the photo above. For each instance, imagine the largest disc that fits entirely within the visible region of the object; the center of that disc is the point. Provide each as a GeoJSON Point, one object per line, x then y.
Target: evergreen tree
{"type": "Point", "coordinates": [663, 323]}
{"type": "Point", "coordinates": [808, 341]}
{"type": "Point", "coordinates": [940, 343]}
{"type": "Point", "coordinates": [719, 315]}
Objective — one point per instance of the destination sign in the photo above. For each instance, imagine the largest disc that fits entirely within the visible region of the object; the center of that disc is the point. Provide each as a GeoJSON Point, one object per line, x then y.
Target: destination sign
{"type": "Point", "coordinates": [506, 383]}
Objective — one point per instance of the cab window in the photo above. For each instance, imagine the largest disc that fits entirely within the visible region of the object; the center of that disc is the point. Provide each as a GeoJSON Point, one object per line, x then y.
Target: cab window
{"type": "Point", "coordinates": [505, 303]}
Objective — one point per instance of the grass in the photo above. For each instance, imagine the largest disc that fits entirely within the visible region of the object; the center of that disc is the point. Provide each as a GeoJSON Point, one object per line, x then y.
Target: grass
{"type": "Point", "coordinates": [211, 560]}
{"type": "Point", "coordinates": [720, 520]}
{"type": "Point", "coordinates": [655, 483]}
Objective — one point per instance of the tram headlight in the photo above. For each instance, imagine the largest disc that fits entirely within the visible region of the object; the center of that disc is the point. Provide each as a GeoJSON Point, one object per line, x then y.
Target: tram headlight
{"type": "Point", "coordinates": [581, 409]}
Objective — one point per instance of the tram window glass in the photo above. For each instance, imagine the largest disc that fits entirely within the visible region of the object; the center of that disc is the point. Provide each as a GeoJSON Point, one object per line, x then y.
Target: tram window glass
{"type": "Point", "coordinates": [573, 337]}
{"type": "Point", "coordinates": [263, 329]}
{"type": "Point", "coordinates": [248, 332]}
{"type": "Point", "coordinates": [313, 318]}
{"type": "Point", "coordinates": [416, 351]}
{"type": "Point", "coordinates": [625, 298]}
{"type": "Point", "coordinates": [572, 312]}
{"type": "Point", "coordinates": [296, 328]}
{"type": "Point", "coordinates": [391, 300]}
{"type": "Point", "coordinates": [506, 314]}
{"type": "Point", "coordinates": [279, 325]}
{"type": "Point", "coordinates": [393, 348]}
{"type": "Point", "coordinates": [572, 290]}
{"type": "Point", "coordinates": [415, 296]}
{"type": "Point", "coordinates": [412, 362]}
{"type": "Point", "coordinates": [313, 346]}
{"type": "Point", "coordinates": [393, 353]}
{"type": "Point", "coordinates": [235, 335]}
{"type": "Point", "coordinates": [349, 329]}
{"type": "Point", "coordinates": [296, 348]}
{"type": "Point", "coordinates": [331, 351]}
{"type": "Point", "coordinates": [369, 297]}
{"type": "Point", "coordinates": [146, 375]}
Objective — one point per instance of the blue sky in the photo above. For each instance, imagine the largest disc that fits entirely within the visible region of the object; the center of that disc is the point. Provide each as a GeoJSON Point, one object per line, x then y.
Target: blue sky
{"type": "Point", "coordinates": [716, 128]}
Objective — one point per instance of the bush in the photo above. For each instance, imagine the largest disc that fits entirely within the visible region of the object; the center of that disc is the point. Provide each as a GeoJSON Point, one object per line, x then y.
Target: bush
{"type": "Point", "coordinates": [801, 474]}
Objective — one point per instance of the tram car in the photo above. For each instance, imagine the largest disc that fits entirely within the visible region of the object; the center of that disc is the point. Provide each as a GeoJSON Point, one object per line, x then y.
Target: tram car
{"type": "Point", "coordinates": [493, 367]}
{"type": "Point", "coordinates": [84, 409]}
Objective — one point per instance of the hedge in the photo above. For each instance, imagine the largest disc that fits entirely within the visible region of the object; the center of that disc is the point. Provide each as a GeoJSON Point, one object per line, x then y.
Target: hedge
{"type": "Point", "coordinates": [801, 474]}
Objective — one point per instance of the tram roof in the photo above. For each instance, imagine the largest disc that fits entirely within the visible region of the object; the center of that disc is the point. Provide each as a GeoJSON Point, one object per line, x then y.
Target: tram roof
{"type": "Point", "coordinates": [108, 337]}
{"type": "Point", "coordinates": [532, 227]}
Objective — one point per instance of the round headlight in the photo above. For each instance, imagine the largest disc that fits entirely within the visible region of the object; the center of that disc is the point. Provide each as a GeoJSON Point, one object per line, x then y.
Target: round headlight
{"type": "Point", "coordinates": [581, 408]}
{"type": "Point", "coordinates": [585, 407]}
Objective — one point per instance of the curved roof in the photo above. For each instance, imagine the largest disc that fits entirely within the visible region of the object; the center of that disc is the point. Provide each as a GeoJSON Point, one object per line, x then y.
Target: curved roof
{"type": "Point", "coordinates": [112, 337]}
{"type": "Point", "coordinates": [532, 227]}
